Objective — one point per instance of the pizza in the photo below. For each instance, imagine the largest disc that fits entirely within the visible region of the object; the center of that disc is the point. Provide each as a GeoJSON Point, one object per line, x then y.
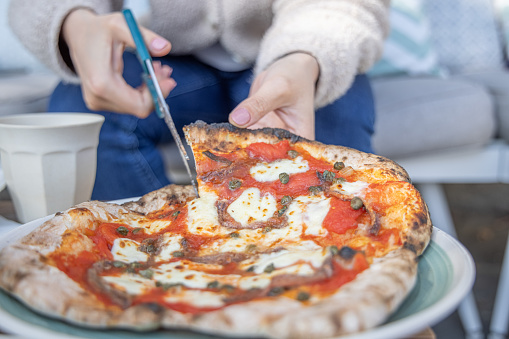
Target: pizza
{"type": "Point", "coordinates": [289, 238]}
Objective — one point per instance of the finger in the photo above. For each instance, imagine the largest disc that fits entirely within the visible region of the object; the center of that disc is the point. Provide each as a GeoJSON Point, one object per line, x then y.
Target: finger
{"type": "Point", "coordinates": [269, 97]}
{"type": "Point", "coordinates": [156, 44]}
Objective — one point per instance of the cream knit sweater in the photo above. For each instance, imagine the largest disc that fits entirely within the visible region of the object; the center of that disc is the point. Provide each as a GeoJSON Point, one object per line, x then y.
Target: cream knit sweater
{"type": "Point", "coordinates": [345, 36]}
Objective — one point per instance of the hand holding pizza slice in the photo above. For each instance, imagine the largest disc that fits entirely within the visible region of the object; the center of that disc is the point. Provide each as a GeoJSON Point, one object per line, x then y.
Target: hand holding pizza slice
{"type": "Point", "coordinates": [289, 238]}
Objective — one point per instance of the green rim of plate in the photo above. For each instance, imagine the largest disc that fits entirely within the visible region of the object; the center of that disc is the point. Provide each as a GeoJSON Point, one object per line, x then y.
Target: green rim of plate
{"type": "Point", "coordinates": [434, 279]}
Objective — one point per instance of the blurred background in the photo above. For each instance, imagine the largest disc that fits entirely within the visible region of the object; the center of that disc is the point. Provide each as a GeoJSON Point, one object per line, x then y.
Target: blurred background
{"type": "Point", "coordinates": [442, 96]}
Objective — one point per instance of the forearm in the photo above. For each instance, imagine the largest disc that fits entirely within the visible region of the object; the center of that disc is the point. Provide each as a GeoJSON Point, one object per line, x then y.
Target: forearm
{"type": "Point", "coordinates": [345, 36]}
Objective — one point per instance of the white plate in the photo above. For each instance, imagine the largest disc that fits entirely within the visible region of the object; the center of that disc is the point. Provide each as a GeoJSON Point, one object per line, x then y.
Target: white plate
{"type": "Point", "coordinates": [445, 276]}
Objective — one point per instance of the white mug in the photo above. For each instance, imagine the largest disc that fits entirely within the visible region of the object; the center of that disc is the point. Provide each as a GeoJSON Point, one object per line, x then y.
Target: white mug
{"type": "Point", "coordinates": [49, 160]}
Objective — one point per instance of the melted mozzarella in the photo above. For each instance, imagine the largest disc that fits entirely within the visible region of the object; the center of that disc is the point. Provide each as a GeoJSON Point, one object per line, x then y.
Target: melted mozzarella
{"type": "Point", "coordinates": [263, 172]}
{"type": "Point", "coordinates": [126, 250]}
{"type": "Point", "coordinates": [170, 244]}
{"type": "Point", "coordinates": [286, 258]}
{"type": "Point", "coordinates": [353, 188]}
{"type": "Point", "coordinates": [309, 211]}
{"type": "Point", "coordinates": [129, 283]}
{"type": "Point", "coordinates": [250, 207]}
{"type": "Point", "coordinates": [202, 215]}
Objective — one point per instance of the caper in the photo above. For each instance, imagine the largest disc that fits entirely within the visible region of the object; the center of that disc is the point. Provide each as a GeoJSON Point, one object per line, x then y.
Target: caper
{"type": "Point", "coordinates": [123, 230]}
{"type": "Point", "coordinates": [267, 229]}
{"type": "Point", "coordinates": [177, 254]}
{"type": "Point", "coordinates": [251, 268]}
{"type": "Point", "coordinates": [148, 273]}
{"type": "Point", "coordinates": [275, 291]}
{"type": "Point", "coordinates": [250, 248]}
{"type": "Point", "coordinates": [314, 190]}
{"type": "Point", "coordinates": [234, 184]}
{"type": "Point", "coordinates": [133, 266]}
{"type": "Point", "coordinates": [284, 178]}
{"type": "Point", "coordinates": [339, 165]}
{"type": "Point", "coordinates": [303, 296]}
{"type": "Point", "coordinates": [286, 200]}
{"type": "Point", "coordinates": [282, 211]}
{"type": "Point", "coordinates": [328, 176]}
{"type": "Point", "coordinates": [167, 286]}
{"type": "Point", "coordinates": [234, 235]}
{"type": "Point", "coordinates": [175, 214]}
{"type": "Point", "coordinates": [293, 154]}
{"type": "Point", "coordinates": [119, 264]}
{"type": "Point", "coordinates": [269, 268]}
{"type": "Point", "coordinates": [228, 288]}
{"type": "Point", "coordinates": [356, 203]}
{"type": "Point", "coordinates": [137, 230]}
{"type": "Point", "coordinates": [213, 284]}
{"type": "Point", "coordinates": [334, 250]}
{"type": "Point", "coordinates": [339, 180]}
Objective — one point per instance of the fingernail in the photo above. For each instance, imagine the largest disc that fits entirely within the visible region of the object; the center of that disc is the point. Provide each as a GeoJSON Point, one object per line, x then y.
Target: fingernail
{"type": "Point", "coordinates": [241, 116]}
{"type": "Point", "coordinates": [158, 43]}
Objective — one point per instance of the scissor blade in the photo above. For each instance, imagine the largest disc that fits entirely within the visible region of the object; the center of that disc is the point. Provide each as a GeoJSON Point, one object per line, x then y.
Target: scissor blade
{"type": "Point", "coordinates": [164, 111]}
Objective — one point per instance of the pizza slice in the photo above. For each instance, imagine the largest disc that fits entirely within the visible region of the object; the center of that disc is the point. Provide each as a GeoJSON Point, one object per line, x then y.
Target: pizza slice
{"type": "Point", "coordinates": [288, 238]}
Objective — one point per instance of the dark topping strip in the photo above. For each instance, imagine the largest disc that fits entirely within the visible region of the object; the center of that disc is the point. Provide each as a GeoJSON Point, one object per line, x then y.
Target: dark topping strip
{"type": "Point", "coordinates": [217, 158]}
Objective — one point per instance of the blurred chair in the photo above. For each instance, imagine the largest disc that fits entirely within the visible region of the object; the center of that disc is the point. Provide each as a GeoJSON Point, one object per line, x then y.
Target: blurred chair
{"type": "Point", "coordinates": [442, 98]}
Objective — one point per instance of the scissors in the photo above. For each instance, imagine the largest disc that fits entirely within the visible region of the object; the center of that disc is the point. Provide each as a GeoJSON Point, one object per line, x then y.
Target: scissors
{"type": "Point", "coordinates": [149, 77]}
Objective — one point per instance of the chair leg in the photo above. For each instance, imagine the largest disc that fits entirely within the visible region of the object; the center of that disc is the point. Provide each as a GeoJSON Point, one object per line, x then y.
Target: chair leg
{"type": "Point", "coordinates": [436, 200]}
{"type": "Point", "coordinates": [500, 315]}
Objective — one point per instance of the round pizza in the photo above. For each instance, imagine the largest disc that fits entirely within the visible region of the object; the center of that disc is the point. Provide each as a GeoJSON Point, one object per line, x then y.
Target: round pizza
{"type": "Point", "coordinates": [288, 238]}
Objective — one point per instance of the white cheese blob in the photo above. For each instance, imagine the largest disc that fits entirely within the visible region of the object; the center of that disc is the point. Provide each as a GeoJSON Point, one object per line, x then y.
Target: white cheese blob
{"type": "Point", "coordinates": [169, 244]}
{"type": "Point", "coordinates": [126, 250]}
{"type": "Point", "coordinates": [285, 258]}
{"type": "Point", "coordinates": [180, 273]}
{"type": "Point", "coordinates": [264, 172]}
{"type": "Point", "coordinates": [353, 188]}
{"type": "Point", "coordinates": [250, 207]}
{"type": "Point", "coordinates": [196, 298]}
{"type": "Point", "coordinates": [129, 283]}
{"type": "Point", "coordinates": [309, 211]}
{"type": "Point", "coordinates": [202, 215]}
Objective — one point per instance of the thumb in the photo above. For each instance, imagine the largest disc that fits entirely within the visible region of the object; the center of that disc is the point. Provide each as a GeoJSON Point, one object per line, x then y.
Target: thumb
{"type": "Point", "coordinates": [269, 97]}
{"type": "Point", "coordinates": [156, 44]}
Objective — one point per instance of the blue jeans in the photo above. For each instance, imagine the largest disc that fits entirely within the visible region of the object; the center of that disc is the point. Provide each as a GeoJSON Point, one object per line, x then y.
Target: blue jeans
{"type": "Point", "coordinates": [128, 162]}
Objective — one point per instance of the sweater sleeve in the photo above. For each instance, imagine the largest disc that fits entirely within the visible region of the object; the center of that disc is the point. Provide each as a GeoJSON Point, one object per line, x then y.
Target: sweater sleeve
{"type": "Point", "coordinates": [37, 23]}
{"type": "Point", "coordinates": [345, 36]}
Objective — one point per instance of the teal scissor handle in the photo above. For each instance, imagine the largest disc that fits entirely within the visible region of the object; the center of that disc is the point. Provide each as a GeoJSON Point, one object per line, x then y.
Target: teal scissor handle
{"type": "Point", "coordinates": [145, 60]}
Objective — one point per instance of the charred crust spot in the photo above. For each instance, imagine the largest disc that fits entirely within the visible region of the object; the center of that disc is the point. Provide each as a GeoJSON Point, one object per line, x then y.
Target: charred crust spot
{"type": "Point", "coordinates": [415, 225]}
{"type": "Point", "coordinates": [59, 213]}
{"type": "Point", "coordinates": [410, 247]}
{"type": "Point", "coordinates": [422, 218]}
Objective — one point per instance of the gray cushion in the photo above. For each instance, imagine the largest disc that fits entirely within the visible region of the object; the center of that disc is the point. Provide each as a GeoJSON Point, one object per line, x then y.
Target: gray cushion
{"type": "Point", "coordinates": [25, 92]}
{"type": "Point", "coordinates": [497, 82]}
{"type": "Point", "coordinates": [423, 115]}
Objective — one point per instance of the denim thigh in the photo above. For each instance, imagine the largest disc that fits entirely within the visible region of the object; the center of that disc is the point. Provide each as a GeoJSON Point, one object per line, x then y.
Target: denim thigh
{"type": "Point", "coordinates": [129, 163]}
{"type": "Point", "coordinates": [349, 121]}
